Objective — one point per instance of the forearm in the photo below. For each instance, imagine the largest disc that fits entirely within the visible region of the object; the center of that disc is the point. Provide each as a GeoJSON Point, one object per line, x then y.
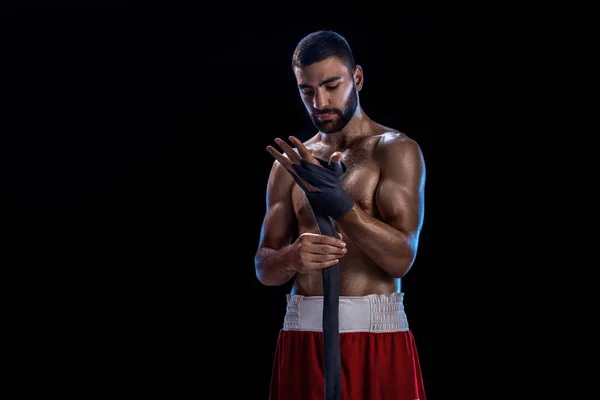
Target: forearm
{"type": "Point", "coordinates": [389, 248]}
{"type": "Point", "coordinates": [273, 267]}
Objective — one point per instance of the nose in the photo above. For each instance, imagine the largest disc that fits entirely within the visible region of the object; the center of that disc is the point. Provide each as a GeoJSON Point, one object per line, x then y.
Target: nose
{"type": "Point", "coordinates": [320, 100]}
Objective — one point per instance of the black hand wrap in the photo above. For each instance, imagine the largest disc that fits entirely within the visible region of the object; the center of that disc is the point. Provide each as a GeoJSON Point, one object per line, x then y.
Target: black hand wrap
{"type": "Point", "coordinates": [329, 197]}
{"type": "Point", "coordinates": [329, 201]}
{"type": "Point", "coordinates": [331, 328]}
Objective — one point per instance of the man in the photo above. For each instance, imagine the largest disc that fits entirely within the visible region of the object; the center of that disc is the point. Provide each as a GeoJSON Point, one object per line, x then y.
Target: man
{"type": "Point", "coordinates": [377, 210]}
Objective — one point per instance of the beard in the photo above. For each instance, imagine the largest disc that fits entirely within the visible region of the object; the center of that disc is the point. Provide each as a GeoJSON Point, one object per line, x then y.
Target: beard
{"type": "Point", "coordinates": [341, 118]}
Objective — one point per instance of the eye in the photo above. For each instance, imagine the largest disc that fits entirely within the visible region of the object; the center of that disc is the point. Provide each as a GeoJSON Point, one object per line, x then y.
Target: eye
{"type": "Point", "coordinates": [333, 87]}
{"type": "Point", "coordinates": [306, 91]}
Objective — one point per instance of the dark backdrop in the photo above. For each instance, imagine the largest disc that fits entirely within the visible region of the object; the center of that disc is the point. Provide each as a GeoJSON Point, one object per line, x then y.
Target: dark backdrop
{"type": "Point", "coordinates": [133, 189]}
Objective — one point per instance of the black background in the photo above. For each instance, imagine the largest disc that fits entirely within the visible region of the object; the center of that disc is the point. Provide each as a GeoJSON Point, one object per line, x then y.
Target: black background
{"type": "Point", "coordinates": [133, 188]}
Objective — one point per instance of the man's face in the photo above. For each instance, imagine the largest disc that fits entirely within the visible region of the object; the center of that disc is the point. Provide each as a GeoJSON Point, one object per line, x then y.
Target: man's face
{"type": "Point", "coordinates": [328, 91]}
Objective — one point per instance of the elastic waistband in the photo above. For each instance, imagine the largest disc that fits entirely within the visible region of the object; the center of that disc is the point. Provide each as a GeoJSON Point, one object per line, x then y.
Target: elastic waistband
{"type": "Point", "coordinates": [372, 313]}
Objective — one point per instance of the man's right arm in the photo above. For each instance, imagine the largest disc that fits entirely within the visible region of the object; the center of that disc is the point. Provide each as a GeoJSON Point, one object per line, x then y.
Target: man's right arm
{"type": "Point", "coordinates": [272, 261]}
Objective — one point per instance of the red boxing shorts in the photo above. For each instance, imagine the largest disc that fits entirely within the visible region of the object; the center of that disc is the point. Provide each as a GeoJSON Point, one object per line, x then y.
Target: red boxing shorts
{"type": "Point", "coordinates": [379, 357]}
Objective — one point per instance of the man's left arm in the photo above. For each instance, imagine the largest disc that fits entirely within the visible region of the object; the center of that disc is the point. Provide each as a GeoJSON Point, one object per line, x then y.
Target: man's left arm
{"type": "Point", "coordinates": [392, 242]}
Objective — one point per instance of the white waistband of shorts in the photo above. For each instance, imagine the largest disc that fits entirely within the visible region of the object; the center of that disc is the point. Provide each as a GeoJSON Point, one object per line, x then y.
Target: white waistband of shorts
{"type": "Point", "coordinates": [372, 313]}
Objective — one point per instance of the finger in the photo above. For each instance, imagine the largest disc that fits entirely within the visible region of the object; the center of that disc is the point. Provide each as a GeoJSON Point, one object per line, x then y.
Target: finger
{"type": "Point", "coordinates": [288, 151]}
{"type": "Point", "coordinates": [283, 160]}
{"type": "Point", "coordinates": [287, 164]}
{"type": "Point", "coordinates": [304, 153]}
{"type": "Point", "coordinates": [336, 157]}
{"type": "Point", "coordinates": [341, 236]}
{"type": "Point", "coordinates": [326, 249]}
{"type": "Point", "coordinates": [324, 239]}
{"type": "Point", "coordinates": [318, 258]}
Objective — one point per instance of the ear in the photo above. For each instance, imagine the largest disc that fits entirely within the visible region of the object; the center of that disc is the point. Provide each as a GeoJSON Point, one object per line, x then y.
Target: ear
{"type": "Point", "coordinates": [358, 77]}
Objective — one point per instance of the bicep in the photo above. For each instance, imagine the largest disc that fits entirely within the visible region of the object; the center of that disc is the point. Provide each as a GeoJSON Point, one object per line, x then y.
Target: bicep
{"type": "Point", "coordinates": [279, 221]}
{"type": "Point", "coordinates": [400, 193]}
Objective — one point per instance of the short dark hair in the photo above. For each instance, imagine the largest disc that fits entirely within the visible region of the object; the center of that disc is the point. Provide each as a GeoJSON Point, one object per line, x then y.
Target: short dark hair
{"type": "Point", "coordinates": [320, 45]}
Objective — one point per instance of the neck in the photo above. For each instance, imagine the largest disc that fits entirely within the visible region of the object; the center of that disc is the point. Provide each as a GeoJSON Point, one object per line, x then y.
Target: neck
{"type": "Point", "coordinates": [356, 128]}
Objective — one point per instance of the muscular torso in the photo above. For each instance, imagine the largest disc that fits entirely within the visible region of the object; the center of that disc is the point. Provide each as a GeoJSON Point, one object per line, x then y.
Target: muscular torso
{"type": "Point", "coordinates": [359, 275]}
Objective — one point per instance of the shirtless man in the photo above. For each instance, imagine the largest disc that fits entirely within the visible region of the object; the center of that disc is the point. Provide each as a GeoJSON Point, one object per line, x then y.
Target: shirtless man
{"type": "Point", "coordinates": [379, 236]}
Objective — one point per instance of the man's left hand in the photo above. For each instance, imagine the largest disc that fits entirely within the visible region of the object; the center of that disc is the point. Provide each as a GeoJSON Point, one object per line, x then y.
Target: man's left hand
{"type": "Point", "coordinates": [319, 180]}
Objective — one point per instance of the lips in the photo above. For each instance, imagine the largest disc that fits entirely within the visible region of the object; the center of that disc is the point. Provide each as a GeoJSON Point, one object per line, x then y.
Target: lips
{"type": "Point", "coordinates": [325, 116]}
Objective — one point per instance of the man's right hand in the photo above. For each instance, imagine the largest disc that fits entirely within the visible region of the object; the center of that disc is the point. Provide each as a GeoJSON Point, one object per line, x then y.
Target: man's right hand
{"type": "Point", "coordinates": [312, 252]}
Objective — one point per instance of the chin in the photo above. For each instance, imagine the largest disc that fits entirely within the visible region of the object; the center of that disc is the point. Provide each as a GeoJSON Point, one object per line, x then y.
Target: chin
{"type": "Point", "coordinates": [333, 128]}
{"type": "Point", "coordinates": [329, 126]}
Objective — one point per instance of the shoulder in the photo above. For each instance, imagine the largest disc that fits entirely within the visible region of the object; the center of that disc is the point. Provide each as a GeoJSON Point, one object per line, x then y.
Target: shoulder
{"type": "Point", "coordinates": [279, 183]}
{"type": "Point", "coordinates": [397, 148]}
{"type": "Point", "coordinates": [278, 172]}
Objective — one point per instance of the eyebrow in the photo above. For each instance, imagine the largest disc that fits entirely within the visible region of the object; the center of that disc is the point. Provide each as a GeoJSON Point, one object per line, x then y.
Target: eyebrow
{"type": "Point", "coordinates": [325, 82]}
